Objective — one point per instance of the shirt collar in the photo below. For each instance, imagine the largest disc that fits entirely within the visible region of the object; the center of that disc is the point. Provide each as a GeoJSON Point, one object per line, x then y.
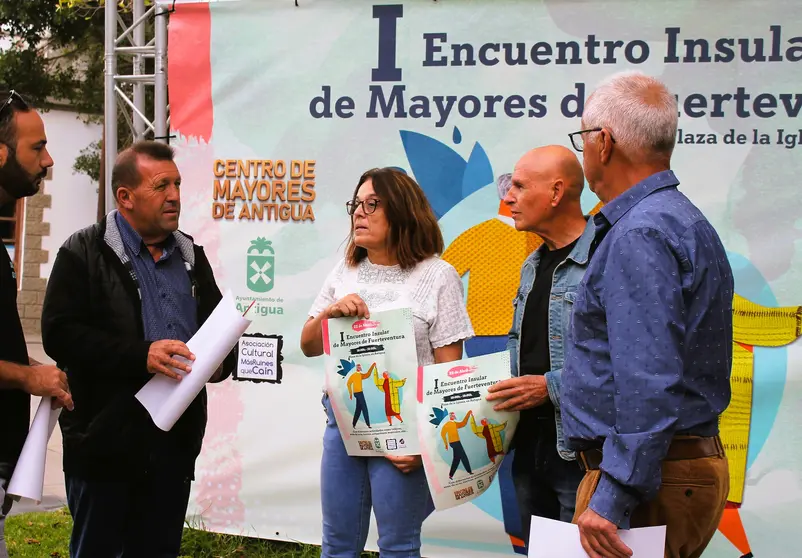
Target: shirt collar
{"type": "Point", "coordinates": [133, 241]}
{"type": "Point", "coordinates": [621, 204]}
{"type": "Point", "coordinates": [581, 252]}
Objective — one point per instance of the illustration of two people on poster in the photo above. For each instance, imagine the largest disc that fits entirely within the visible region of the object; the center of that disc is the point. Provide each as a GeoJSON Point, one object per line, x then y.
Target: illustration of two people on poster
{"type": "Point", "coordinates": [384, 383]}
{"type": "Point", "coordinates": [491, 433]}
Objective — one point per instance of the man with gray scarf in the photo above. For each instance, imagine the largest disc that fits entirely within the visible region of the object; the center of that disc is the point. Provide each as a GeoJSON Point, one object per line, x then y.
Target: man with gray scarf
{"type": "Point", "coordinates": [124, 297]}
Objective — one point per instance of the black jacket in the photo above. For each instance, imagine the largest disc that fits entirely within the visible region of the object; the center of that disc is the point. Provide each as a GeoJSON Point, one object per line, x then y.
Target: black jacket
{"type": "Point", "coordinates": [92, 327]}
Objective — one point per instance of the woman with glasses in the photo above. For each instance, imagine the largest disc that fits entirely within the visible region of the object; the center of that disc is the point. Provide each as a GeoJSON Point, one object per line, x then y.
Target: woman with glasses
{"type": "Point", "coordinates": [391, 261]}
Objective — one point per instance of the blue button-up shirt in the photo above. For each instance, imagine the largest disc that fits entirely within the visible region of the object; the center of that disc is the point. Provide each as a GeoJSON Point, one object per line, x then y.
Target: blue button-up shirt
{"type": "Point", "coordinates": [651, 340]}
{"type": "Point", "coordinates": [168, 307]}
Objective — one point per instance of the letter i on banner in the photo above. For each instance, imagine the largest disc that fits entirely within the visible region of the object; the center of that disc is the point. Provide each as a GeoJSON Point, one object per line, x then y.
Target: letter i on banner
{"type": "Point", "coordinates": [371, 380]}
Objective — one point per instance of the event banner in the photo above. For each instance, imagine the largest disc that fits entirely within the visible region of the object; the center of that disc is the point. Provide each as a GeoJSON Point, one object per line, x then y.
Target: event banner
{"type": "Point", "coordinates": [371, 379]}
{"type": "Point", "coordinates": [463, 440]}
{"type": "Point", "coordinates": [276, 110]}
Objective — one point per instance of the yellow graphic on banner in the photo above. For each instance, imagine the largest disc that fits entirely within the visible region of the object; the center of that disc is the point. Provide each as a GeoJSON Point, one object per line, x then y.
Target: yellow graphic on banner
{"type": "Point", "coordinates": [493, 281]}
{"type": "Point", "coordinates": [493, 252]}
{"type": "Point", "coordinates": [753, 325]}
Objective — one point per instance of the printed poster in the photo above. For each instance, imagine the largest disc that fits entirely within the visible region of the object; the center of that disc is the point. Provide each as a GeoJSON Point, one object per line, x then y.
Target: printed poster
{"type": "Point", "coordinates": [463, 440]}
{"type": "Point", "coordinates": [371, 380]}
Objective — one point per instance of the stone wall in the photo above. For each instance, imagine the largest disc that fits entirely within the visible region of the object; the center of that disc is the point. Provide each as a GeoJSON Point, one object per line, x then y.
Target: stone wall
{"type": "Point", "coordinates": [32, 294]}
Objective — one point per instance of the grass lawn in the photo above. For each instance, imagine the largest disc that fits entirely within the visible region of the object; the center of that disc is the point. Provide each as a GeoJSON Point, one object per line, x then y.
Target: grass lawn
{"type": "Point", "coordinates": [38, 535]}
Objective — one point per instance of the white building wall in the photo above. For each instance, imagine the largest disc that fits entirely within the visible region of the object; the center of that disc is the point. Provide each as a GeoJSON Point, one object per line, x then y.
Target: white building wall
{"type": "Point", "coordinates": [73, 196]}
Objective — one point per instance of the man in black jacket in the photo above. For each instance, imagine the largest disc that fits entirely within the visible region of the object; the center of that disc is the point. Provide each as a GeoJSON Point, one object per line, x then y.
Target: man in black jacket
{"type": "Point", "coordinates": [24, 161]}
{"type": "Point", "coordinates": [124, 297]}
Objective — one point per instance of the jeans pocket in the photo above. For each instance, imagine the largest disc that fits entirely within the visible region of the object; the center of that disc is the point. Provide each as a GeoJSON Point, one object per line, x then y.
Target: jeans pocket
{"type": "Point", "coordinates": [679, 483]}
{"type": "Point", "coordinates": [688, 473]}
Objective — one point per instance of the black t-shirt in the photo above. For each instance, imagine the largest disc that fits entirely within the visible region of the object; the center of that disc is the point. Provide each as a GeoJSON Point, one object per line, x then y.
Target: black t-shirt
{"type": "Point", "coordinates": [534, 346]}
{"type": "Point", "coordinates": [15, 405]}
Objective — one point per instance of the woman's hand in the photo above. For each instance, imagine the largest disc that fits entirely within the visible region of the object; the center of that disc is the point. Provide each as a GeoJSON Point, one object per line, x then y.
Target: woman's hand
{"type": "Point", "coordinates": [349, 305]}
{"type": "Point", "coordinates": [405, 463]}
{"type": "Point", "coordinates": [312, 333]}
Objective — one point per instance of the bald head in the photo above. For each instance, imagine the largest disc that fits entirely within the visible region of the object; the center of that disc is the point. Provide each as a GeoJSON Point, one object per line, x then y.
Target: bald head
{"type": "Point", "coordinates": [545, 194]}
{"type": "Point", "coordinates": [555, 163]}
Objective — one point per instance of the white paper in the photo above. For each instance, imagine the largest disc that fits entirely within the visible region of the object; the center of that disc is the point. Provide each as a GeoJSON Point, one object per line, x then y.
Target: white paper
{"type": "Point", "coordinates": [167, 399]}
{"type": "Point", "coordinates": [556, 539]}
{"type": "Point", "coordinates": [29, 475]}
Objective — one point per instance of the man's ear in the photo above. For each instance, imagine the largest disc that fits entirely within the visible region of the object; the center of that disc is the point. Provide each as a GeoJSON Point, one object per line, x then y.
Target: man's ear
{"type": "Point", "coordinates": [605, 146]}
{"type": "Point", "coordinates": [125, 198]}
{"type": "Point", "coordinates": [557, 192]}
{"type": "Point", "coordinates": [4, 153]}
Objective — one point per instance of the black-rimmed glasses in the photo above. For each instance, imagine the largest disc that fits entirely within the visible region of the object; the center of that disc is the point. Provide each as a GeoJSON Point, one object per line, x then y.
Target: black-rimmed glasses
{"type": "Point", "coordinates": [579, 143]}
{"type": "Point", "coordinates": [368, 206]}
{"type": "Point", "coordinates": [12, 96]}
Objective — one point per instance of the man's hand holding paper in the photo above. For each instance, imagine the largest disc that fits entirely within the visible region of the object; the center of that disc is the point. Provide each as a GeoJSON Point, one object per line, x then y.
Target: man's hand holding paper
{"type": "Point", "coordinates": [45, 380]}
{"type": "Point", "coordinates": [519, 393]}
{"type": "Point", "coordinates": [600, 537]}
{"type": "Point", "coordinates": [162, 358]}
{"type": "Point", "coordinates": [166, 400]}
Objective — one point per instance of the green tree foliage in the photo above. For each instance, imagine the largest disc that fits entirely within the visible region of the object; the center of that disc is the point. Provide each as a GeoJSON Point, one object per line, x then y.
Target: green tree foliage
{"type": "Point", "coordinates": [56, 57]}
{"type": "Point", "coordinates": [56, 53]}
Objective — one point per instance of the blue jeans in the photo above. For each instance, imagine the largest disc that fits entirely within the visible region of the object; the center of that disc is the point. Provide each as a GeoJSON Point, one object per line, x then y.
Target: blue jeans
{"type": "Point", "coordinates": [351, 486]}
{"type": "Point", "coordinates": [121, 519]}
{"type": "Point", "coordinates": [545, 483]}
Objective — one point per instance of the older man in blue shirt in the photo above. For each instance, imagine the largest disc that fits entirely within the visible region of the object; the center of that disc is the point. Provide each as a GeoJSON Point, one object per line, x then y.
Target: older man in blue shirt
{"type": "Point", "coordinates": [647, 368]}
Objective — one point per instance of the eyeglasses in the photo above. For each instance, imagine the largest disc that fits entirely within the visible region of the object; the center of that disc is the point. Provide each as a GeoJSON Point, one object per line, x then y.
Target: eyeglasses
{"type": "Point", "coordinates": [368, 206]}
{"type": "Point", "coordinates": [12, 96]}
{"type": "Point", "coordinates": [579, 143]}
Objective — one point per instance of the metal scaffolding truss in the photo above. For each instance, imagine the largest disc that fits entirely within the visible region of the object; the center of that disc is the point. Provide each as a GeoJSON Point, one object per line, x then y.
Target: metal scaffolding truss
{"type": "Point", "coordinates": [124, 40]}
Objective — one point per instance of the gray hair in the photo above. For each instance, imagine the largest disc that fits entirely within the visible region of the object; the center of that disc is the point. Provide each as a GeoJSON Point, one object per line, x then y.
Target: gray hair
{"type": "Point", "coordinates": [639, 111]}
{"type": "Point", "coordinates": [503, 184]}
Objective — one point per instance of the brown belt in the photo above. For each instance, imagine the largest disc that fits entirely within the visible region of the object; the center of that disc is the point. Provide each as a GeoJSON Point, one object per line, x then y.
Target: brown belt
{"type": "Point", "coordinates": [682, 447]}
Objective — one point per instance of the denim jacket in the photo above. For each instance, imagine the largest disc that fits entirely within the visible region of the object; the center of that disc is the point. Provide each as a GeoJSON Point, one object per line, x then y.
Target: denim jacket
{"type": "Point", "coordinates": [567, 276]}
